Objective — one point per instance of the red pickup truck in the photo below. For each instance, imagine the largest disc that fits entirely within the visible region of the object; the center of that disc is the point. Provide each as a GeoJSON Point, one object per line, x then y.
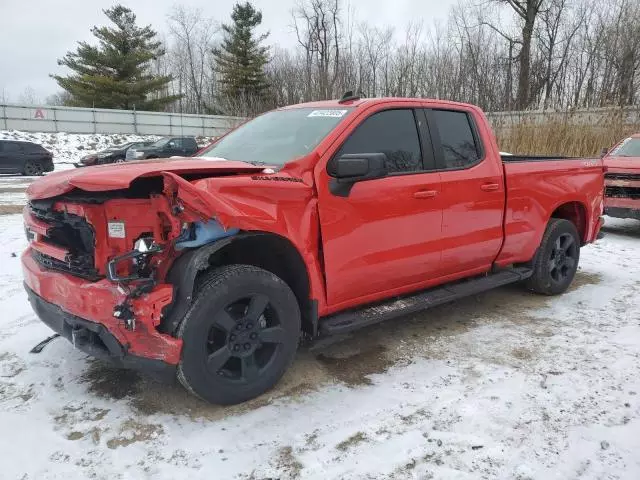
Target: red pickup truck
{"type": "Point", "coordinates": [622, 180]}
{"type": "Point", "coordinates": [306, 221]}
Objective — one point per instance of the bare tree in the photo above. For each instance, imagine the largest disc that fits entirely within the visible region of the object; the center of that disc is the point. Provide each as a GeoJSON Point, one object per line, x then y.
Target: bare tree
{"type": "Point", "coordinates": [193, 38]}
{"type": "Point", "coordinates": [499, 54]}
{"type": "Point", "coordinates": [317, 26]}
{"type": "Point", "coordinates": [29, 96]}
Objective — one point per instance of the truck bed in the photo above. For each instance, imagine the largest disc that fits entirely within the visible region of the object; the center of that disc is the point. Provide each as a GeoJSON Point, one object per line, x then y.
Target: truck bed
{"type": "Point", "coordinates": [536, 186]}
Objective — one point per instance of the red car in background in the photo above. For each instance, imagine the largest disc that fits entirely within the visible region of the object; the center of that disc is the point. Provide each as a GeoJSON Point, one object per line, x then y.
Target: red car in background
{"type": "Point", "coordinates": [622, 180]}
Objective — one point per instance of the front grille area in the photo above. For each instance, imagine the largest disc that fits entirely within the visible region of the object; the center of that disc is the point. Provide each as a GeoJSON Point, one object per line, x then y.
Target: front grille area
{"type": "Point", "coordinates": [622, 176]}
{"type": "Point", "coordinates": [74, 267]}
{"type": "Point", "coordinates": [622, 192]}
{"type": "Point", "coordinates": [72, 233]}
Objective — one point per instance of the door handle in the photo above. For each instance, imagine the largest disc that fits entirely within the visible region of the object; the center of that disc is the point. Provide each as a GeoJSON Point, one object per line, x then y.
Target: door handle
{"type": "Point", "coordinates": [425, 194]}
{"type": "Point", "coordinates": [490, 187]}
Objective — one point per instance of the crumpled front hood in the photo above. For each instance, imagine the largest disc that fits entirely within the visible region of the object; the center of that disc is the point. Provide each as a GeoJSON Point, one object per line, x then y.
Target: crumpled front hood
{"type": "Point", "coordinates": [118, 176]}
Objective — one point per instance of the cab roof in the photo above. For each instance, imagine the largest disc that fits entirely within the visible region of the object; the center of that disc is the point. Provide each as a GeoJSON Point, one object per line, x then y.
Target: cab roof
{"type": "Point", "coordinates": [360, 102]}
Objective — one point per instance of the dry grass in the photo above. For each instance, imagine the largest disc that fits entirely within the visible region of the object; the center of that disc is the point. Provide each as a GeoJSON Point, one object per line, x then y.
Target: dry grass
{"type": "Point", "coordinates": [566, 137]}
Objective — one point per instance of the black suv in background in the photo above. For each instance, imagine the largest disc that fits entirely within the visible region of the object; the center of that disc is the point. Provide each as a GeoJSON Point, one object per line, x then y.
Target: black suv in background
{"type": "Point", "coordinates": [26, 158]}
{"type": "Point", "coordinates": [115, 154]}
{"type": "Point", "coordinates": [165, 148]}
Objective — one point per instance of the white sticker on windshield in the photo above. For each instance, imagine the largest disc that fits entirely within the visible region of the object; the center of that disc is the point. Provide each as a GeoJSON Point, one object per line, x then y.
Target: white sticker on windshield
{"type": "Point", "coordinates": [328, 113]}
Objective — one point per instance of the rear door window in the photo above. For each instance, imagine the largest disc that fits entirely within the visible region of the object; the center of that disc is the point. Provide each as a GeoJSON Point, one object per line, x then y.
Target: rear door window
{"type": "Point", "coordinates": [33, 148]}
{"type": "Point", "coordinates": [12, 147]}
{"type": "Point", "coordinates": [458, 145]}
{"type": "Point", "coordinates": [392, 132]}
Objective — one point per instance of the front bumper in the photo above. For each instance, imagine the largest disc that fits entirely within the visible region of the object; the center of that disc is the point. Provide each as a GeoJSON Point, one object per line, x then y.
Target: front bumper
{"type": "Point", "coordinates": [95, 340]}
{"type": "Point", "coordinates": [620, 207]}
{"type": "Point", "coordinates": [63, 302]}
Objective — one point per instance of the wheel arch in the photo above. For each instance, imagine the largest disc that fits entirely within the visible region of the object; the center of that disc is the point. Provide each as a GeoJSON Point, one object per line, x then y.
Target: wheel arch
{"type": "Point", "coordinates": [264, 250]}
{"type": "Point", "coordinates": [576, 213]}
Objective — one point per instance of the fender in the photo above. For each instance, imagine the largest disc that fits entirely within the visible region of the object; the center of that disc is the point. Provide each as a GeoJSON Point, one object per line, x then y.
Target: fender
{"type": "Point", "coordinates": [182, 276]}
{"type": "Point", "coordinates": [185, 269]}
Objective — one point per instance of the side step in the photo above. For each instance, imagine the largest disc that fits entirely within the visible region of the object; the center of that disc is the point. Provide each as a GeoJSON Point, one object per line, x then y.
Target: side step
{"type": "Point", "coordinates": [353, 319]}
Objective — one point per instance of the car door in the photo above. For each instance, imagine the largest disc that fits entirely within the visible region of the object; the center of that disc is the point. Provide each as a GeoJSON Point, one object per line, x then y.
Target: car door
{"type": "Point", "coordinates": [4, 161]}
{"type": "Point", "coordinates": [473, 194]}
{"type": "Point", "coordinates": [177, 147]}
{"type": "Point", "coordinates": [190, 146]}
{"type": "Point", "coordinates": [382, 237]}
{"type": "Point", "coordinates": [12, 157]}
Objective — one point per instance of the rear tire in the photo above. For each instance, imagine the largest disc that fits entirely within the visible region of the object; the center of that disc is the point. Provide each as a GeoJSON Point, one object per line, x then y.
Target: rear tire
{"type": "Point", "coordinates": [556, 262]}
{"type": "Point", "coordinates": [239, 335]}
{"type": "Point", "coordinates": [32, 168]}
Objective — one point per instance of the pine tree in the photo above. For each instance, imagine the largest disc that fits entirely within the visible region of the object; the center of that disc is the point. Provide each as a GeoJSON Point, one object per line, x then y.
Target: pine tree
{"type": "Point", "coordinates": [240, 60]}
{"type": "Point", "coordinates": [116, 74]}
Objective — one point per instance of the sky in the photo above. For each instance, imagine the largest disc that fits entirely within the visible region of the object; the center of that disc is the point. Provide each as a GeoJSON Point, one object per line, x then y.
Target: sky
{"type": "Point", "coordinates": [35, 33]}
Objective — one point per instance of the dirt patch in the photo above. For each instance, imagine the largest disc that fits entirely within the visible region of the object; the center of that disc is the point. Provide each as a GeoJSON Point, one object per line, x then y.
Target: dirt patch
{"type": "Point", "coordinates": [11, 391]}
{"type": "Point", "coordinates": [354, 369]}
{"type": "Point", "coordinates": [133, 431]}
{"type": "Point", "coordinates": [630, 228]}
{"type": "Point", "coordinates": [11, 209]}
{"type": "Point", "coordinates": [305, 376]}
{"type": "Point", "coordinates": [584, 278]}
{"type": "Point", "coordinates": [288, 463]}
{"type": "Point", "coordinates": [522, 353]}
{"type": "Point", "coordinates": [10, 365]}
{"type": "Point", "coordinates": [352, 441]}
{"type": "Point", "coordinates": [108, 382]}
{"type": "Point", "coordinates": [414, 417]}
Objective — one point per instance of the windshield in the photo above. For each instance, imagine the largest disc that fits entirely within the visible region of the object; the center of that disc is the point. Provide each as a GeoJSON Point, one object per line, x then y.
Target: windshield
{"type": "Point", "coordinates": [277, 137]}
{"type": "Point", "coordinates": [124, 146]}
{"type": "Point", "coordinates": [628, 148]}
{"type": "Point", "coordinates": [160, 143]}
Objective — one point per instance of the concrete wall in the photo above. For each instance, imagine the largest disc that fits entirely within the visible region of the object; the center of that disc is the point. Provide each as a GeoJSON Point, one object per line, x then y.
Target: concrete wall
{"type": "Point", "coordinates": [31, 118]}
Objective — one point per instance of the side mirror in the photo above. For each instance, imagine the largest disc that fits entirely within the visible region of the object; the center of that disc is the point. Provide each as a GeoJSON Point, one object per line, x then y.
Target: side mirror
{"type": "Point", "coordinates": [604, 152]}
{"type": "Point", "coordinates": [356, 167]}
{"type": "Point", "coordinates": [348, 169]}
{"type": "Point", "coordinates": [171, 144]}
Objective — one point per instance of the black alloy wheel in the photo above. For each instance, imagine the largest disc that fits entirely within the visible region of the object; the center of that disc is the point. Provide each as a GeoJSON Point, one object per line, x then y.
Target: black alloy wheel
{"type": "Point", "coordinates": [239, 335]}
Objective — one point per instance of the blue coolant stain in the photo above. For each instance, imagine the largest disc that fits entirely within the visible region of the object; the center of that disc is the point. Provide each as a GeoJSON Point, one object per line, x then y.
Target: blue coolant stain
{"type": "Point", "coordinates": [201, 233]}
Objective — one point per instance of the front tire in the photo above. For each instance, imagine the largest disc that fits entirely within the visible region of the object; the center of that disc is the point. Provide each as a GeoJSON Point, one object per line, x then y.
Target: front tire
{"type": "Point", "coordinates": [556, 262]}
{"type": "Point", "coordinates": [239, 335]}
{"type": "Point", "coordinates": [32, 169]}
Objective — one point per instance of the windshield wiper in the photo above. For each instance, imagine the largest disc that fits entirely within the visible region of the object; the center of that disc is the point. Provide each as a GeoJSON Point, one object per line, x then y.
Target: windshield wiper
{"type": "Point", "coordinates": [258, 164]}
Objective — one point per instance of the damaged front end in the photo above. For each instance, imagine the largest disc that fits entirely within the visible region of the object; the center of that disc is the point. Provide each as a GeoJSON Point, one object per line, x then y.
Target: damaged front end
{"type": "Point", "coordinates": [96, 265]}
{"type": "Point", "coordinates": [111, 261]}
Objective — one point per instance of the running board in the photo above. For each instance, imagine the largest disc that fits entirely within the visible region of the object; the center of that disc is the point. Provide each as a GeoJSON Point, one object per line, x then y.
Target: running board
{"type": "Point", "coordinates": [353, 319]}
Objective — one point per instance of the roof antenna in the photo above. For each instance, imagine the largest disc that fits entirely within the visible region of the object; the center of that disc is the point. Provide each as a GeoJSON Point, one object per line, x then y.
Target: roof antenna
{"type": "Point", "coordinates": [349, 96]}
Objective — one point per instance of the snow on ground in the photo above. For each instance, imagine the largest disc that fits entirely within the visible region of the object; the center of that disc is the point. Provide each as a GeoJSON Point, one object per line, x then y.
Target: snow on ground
{"type": "Point", "coordinates": [502, 385]}
{"type": "Point", "coordinates": [68, 148]}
